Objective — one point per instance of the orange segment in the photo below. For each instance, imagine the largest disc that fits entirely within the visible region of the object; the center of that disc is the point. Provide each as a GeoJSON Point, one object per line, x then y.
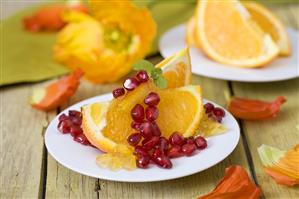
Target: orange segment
{"type": "Point", "coordinates": [190, 32]}
{"type": "Point", "coordinates": [177, 69]}
{"type": "Point", "coordinates": [270, 24]}
{"type": "Point", "coordinates": [228, 35]}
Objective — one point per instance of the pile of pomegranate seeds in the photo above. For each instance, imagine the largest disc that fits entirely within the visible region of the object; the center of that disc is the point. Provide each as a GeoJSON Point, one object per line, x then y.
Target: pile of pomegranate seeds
{"type": "Point", "coordinates": [155, 148]}
{"type": "Point", "coordinates": [131, 83]}
{"type": "Point", "coordinates": [213, 112]}
{"type": "Point", "coordinates": [71, 123]}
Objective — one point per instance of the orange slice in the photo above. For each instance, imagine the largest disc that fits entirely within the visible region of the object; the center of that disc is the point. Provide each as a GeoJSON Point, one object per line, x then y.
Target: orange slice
{"type": "Point", "coordinates": [177, 69]}
{"type": "Point", "coordinates": [190, 32]}
{"type": "Point", "coordinates": [108, 124]}
{"type": "Point", "coordinates": [228, 35]}
{"type": "Point", "coordinates": [270, 24]}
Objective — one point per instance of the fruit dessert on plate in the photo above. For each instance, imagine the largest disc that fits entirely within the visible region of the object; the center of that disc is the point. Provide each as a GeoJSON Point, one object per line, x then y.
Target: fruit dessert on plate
{"type": "Point", "coordinates": [157, 115]}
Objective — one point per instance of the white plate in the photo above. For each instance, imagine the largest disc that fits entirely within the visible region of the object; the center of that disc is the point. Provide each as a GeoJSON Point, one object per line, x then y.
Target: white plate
{"type": "Point", "coordinates": [281, 68]}
{"type": "Point", "coordinates": [82, 159]}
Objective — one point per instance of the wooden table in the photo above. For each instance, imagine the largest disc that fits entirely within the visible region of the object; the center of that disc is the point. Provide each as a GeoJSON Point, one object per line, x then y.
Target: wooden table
{"type": "Point", "coordinates": [28, 171]}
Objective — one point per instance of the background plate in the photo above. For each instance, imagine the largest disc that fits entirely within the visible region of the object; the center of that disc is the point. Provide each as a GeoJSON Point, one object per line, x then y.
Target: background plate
{"type": "Point", "coordinates": [281, 68]}
{"type": "Point", "coordinates": [82, 159]}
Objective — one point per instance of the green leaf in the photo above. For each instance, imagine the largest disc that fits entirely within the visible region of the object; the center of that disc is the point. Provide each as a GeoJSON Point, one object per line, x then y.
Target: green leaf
{"type": "Point", "coordinates": [156, 73]}
{"type": "Point", "coordinates": [161, 82]}
{"type": "Point", "coordinates": [144, 65]}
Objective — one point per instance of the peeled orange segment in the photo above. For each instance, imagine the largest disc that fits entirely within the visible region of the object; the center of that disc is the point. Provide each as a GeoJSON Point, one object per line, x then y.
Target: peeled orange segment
{"type": "Point", "coordinates": [228, 35]}
{"type": "Point", "coordinates": [93, 122]}
{"type": "Point", "coordinates": [177, 69]}
{"type": "Point", "coordinates": [190, 32]}
{"type": "Point", "coordinates": [270, 24]}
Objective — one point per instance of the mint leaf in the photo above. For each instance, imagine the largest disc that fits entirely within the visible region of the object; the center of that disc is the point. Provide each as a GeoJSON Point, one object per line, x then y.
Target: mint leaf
{"type": "Point", "coordinates": [161, 82]}
{"type": "Point", "coordinates": [144, 65]}
{"type": "Point", "coordinates": [156, 73]}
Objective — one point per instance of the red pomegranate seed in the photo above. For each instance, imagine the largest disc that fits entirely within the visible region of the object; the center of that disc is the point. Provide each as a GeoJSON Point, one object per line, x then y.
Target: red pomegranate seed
{"type": "Point", "coordinates": [134, 139]}
{"type": "Point", "coordinates": [176, 139]}
{"type": "Point", "coordinates": [131, 83]}
{"type": "Point", "coordinates": [76, 130]}
{"type": "Point", "coordinates": [188, 149]}
{"type": "Point", "coordinates": [190, 140]}
{"type": "Point", "coordinates": [155, 129]}
{"type": "Point", "coordinates": [174, 152]}
{"type": "Point", "coordinates": [200, 142]}
{"type": "Point", "coordinates": [142, 76]}
{"type": "Point", "coordinates": [137, 113]}
{"type": "Point", "coordinates": [81, 139]}
{"type": "Point", "coordinates": [139, 150]}
{"type": "Point", "coordinates": [135, 125]}
{"type": "Point", "coordinates": [146, 129]}
{"type": "Point", "coordinates": [76, 121]}
{"type": "Point", "coordinates": [150, 143]}
{"type": "Point", "coordinates": [163, 144]}
{"type": "Point", "coordinates": [151, 113]}
{"type": "Point", "coordinates": [118, 92]}
{"type": "Point", "coordinates": [65, 126]}
{"type": "Point", "coordinates": [219, 112]}
{"type": "Point", "coordinates": [63, 117]}
{"type": "Point", "coordinates": [163, 161]}
{"type": "Point", "coordinates": [156, 153]}
{"type": "Point", "coordinates": [209, 107]}
{"type": "Point", "coordinates": [152, 99]}
{"type": "Point", "coordinates": [142, 161]}
{"type": "Point", "coordinates": [75, 113]}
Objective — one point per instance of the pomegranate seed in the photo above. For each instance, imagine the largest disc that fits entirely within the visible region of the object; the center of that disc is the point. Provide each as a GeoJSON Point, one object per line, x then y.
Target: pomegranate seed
{"type": "Point", "coordinates": [209, 107]}
{"type": "Point", "coordinates": [151, 113]}
{"type": "Point", "coordinates": [65, 126]}
{"type": "Point", "coordinates": [188, 149]}
{"type": "Point", "coordinates": [75, 113]}
{"type": "Point", "coordinates": [139, 150]}
{"type": "Point", "coordinates": [190, 140]}
{"type": "Point", "coordinates": [146, 129]}
{"type": "Point", "coordinates": [174, 152]}
{"type": "Point", "coordinates": [176, 139]}
{"type": "Point", "coordinates": [131, 83]}
{"type": "Point", "coordinates": [150, 143]}
{"type": "Point", "coordinates": [163, 161]}
{"type": "Point", "coordinates": [152, 99]}
{"type": "Point", "coordinates": [142, 76]}
{"type": "Point", "coordinates": [218, 119]}
{"type": "Point", "coordinates": [135, 125]}
{"type": "Point", "coordinates": [76, 121]}
{"type": "Point", "coordinates": [163, 144]}
{"type": "Point", "coordinates": [63, 117]}
{"type": "Point", "coordinates": [156, 153]}
{"type": "Point", "coordinates": [134, 139]}
{"type": "Point", "coordinates": [76, 130]}
{"type": "Point", "coordinates": [81, 139]}
{"type": "Point", "coordinates": [137, 113]}
{"type": "Point", "coordinates": [200, 142]}
{"type": "Point", "coordinates": [155, 129]}
{"type": "Point", "coordinates": [118, 92]}
{"type": "Point", "coordinates": [219, 112]}
{"type": "Point", "coordinates": [142, 161]}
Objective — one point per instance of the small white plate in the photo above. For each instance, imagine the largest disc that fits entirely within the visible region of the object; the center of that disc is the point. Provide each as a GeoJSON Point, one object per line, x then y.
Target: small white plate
{"type": "Point", "coordinates": [82, 159]}
{"type": "Point", "coordinates": [281, 68]}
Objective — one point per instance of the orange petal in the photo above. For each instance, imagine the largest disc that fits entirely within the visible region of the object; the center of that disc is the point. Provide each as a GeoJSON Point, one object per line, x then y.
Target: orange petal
{"type": "Point", "coordinates": [235, 184]}
{"type": "Point", "coordinates": [56, 93]}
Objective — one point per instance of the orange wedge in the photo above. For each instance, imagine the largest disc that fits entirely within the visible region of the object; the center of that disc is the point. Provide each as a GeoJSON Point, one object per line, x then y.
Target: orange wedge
{"type": "Point", "coordinates": [177, 69]}
{"type": "Point", "coordinates": [270, 24]}
{"type": "Point", "coordinates": [108, 124]}
{"type": "Point", "coordinates": [228, 35]}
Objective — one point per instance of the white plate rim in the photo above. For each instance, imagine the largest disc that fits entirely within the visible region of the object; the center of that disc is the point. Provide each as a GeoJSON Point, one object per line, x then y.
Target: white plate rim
{"type": "Point", "coordinates": [105, 97]}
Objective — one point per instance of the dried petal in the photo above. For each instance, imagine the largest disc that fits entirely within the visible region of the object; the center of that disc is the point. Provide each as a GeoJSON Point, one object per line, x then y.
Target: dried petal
{"type": "Point", "coordinates": [235, 184]}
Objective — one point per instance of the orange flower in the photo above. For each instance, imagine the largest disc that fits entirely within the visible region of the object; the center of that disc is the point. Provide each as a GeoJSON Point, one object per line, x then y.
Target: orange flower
{"type": "Point", "coordinates": [105, 45]}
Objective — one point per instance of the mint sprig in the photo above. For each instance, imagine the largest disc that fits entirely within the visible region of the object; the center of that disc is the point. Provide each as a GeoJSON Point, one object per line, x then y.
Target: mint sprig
{"type": "Point", "coordinates": [155, 73]}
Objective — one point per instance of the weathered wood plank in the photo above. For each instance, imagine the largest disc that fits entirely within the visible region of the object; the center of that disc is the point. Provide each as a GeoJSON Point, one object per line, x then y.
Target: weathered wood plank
{"type": "Point", "coordinates": [21, 144]}
{"type": "Point", "coordinates": [187, 187]}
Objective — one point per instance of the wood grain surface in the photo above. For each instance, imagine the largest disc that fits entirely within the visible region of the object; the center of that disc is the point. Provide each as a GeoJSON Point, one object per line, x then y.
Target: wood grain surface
{"type": "Point", "coordinates": [28, 171]}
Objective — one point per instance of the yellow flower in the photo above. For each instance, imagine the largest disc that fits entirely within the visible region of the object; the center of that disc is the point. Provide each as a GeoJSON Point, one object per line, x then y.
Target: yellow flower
{"type": "Point", "coordinates": [106, 44]}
